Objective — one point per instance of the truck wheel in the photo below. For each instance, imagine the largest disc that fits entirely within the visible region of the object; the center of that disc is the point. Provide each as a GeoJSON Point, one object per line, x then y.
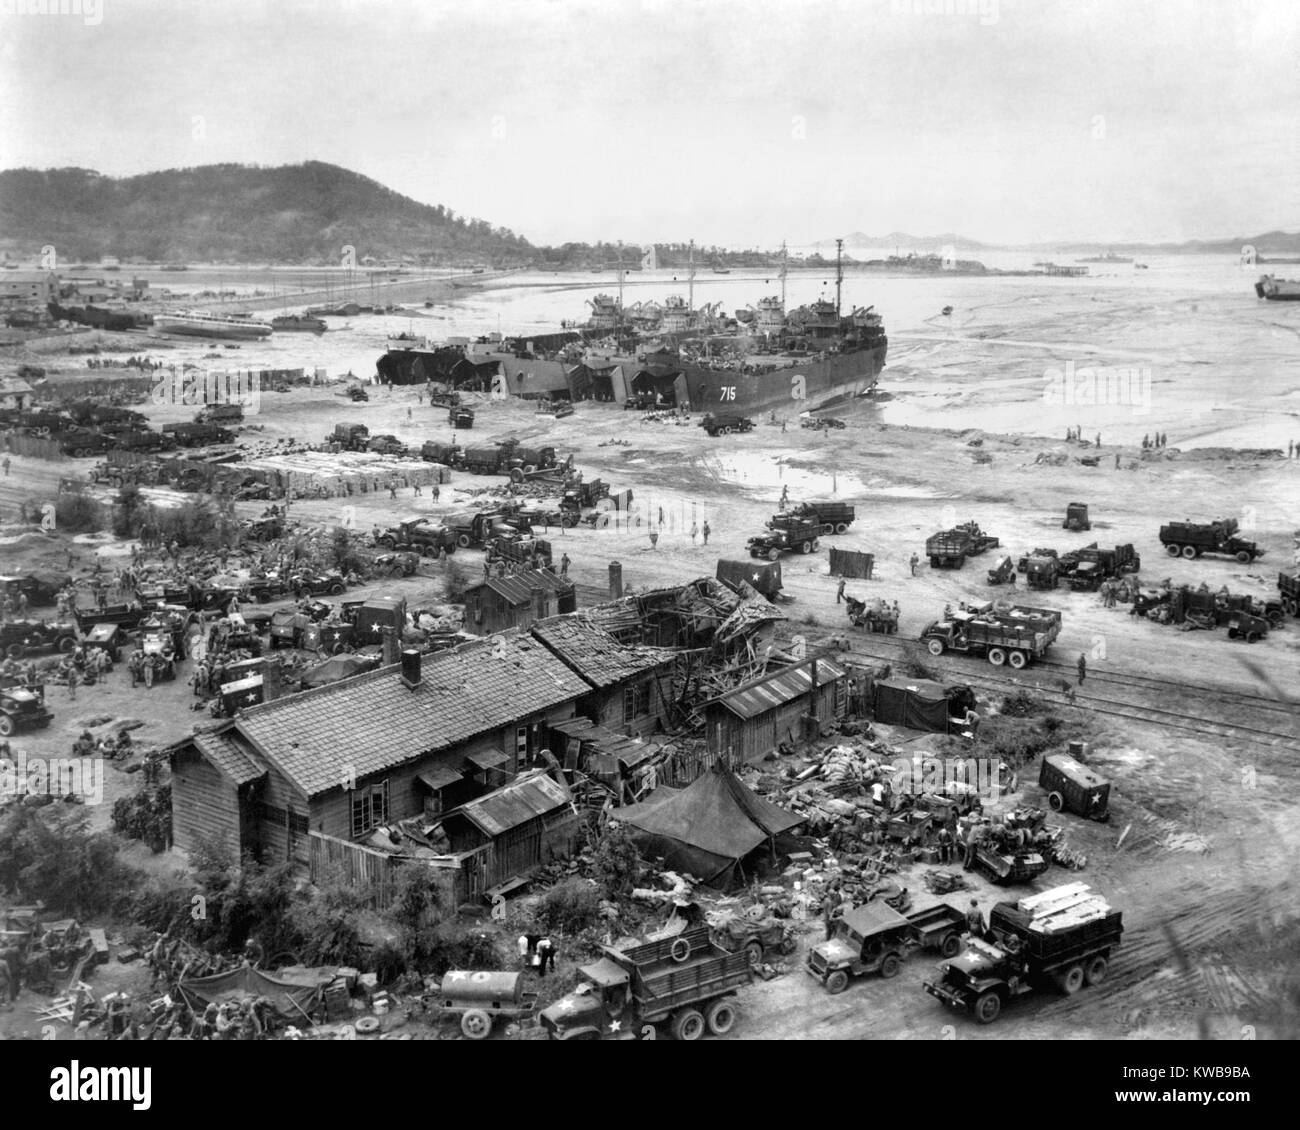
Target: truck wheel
{"type": "Point", "coordinates": [816, 544]}
{"type": "Point", "coordinates": [841, 527]}
{"type": "Point", "coordinates": [1293, 607]}
{"type": "Point", "coordinates": [754, 951]}
{"type": "Point", "coordinates": [336, 589]}
{"type": "Point", "coordinates": [726, 431]}
{"type": "Point", "coordinates": [828, 529]}
{"type": "Point", "coordinates": [774, 554]}
{"type": "Point", "coordinates": [997, 656]}
{"type": "Point", "coordinates": [6, 726]}
{"type": "Point", "coordinates": [935, 647]}
{"type": "Point", "coordinates": [1071, 981]}
{"type": "Point", "coordinates": [959, 561]}
{"type": "Point", "coordinates": [987, 1007]}
{"type": "Point", "coordinates": [688, 1025]}
{"type": "Point", "coordinates": [934, 563]}
{"type": "Point", "coordinates": [1252, 637]}
{"type": "Point", "coordinates": [951, 945]}
{"type": "Point", "coordinates": [1056, 802]}
{"type": "Point", "coordinates": [805, 547]}
{"type": "Point", "coordinates": [1243, 557]}
{"type": "Point", "coordinates": [262, 596]}
{"type": "Point", "coordinates": [1189, 552]}
{"type": "Point", "coordinates": [837, 982]}
{"type": "Point", "coordinates": [516, 475]}
{"type": "Point", "coordinates": [680, 950]}
{"type": "Point", "coordinates": [1172, 549]}
{"type": "Point", "coordinates": [15, 651]}
{"type": "Point", "coordinates": [1232, 633]}
{"type": "Point", "coordinates": [476, 1024]}
{"type": "Point", "coordinates": [891, 965]}
{"type": "Point", "coordinates": [463, 541]}
{"type": "Point", "coordinates": [1017, 659]}
{"type": "Point", "coordinates": [720, 1017]}
{"type": "Point", "coordinates": [1096, 971]}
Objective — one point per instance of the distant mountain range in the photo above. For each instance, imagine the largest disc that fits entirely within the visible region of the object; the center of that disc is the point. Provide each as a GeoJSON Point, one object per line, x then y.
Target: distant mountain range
{"type": "Point", "coordinates": [236, 213]}
{"type": "Point", "coordinates": [1269, 243]}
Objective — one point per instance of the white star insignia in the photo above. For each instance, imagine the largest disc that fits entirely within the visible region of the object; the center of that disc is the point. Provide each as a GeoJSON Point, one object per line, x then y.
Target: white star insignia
{"type": "Point", "coordinates": [565, 1006]}
{"type": "Point", "coordinates": [615, 1025]}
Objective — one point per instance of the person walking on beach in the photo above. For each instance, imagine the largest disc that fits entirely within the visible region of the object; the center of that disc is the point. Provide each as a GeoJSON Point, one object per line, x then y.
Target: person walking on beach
{"type": "Point", "coordinates": [1083, 668]}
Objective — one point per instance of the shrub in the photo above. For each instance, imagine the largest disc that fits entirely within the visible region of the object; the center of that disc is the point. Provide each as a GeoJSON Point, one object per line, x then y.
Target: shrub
{"type": "Point", "coordinates": [72, 870]}
{"type": "Point", "coordinates": [1022, 705]}
{"type": "Point", "coordinates": [616, 861]}
{"type": "Point", "coordinates": [75, 512]}
{"type": "Point", "coordinates": [570, 906]}
{"type": "Point", "coordinates": [145, 816]}
{"type": "Point", "coordinates": [437, 949]}
{"type": "Point", "coordinates": [328, 923]}
{"type": "Point", "coordinates": [456, 580]}
{"type": "Point", "coordinates": [388, 962]}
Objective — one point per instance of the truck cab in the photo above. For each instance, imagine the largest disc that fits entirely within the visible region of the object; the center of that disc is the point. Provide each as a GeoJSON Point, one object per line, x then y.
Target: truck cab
{"type": "Point", "coordinates": [599, 1008]}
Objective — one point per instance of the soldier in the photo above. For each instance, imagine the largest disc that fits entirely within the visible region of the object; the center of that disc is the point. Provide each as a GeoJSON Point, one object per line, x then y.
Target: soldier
{"type": "Point", "coordinates": [945, 845]}
{"type": "Point", "coordinates": [913, 562]}
{"type": "Point", "coordinates": [1083, 668]}
{"type": "Point", "coordinates": [839, 591]}
{"type": "Point", "coordinates": [564, 565]}
{"type": "Point", "coordinates": [705, 531]}
{"type": "Point", "coordinates": [1117, 460]}
{"type": "Point", "coordinates": [975, 920]}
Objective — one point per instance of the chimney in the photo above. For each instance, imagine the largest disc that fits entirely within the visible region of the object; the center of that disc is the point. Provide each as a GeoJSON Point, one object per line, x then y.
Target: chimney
{"type": "Point", "coordinates": [410, 668]}
{"type": "Point", "coordinates": [389, 643]}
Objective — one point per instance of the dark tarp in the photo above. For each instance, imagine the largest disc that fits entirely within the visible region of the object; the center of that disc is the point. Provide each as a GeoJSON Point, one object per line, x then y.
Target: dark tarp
{"type": "Point", "coordinates": [918, 704]}
{"type": "Point", "coordinates": [337, 667]}
{"type": "Point", "coordinates": [707, 828]}
{"type": "Point", "coordinates": [293, 995]}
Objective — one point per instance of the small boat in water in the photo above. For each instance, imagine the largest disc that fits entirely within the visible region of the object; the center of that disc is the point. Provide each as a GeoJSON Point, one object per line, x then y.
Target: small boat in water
{"type": "Point", "coordinates": [1277, 290]}
{"type": "Point", "coordinates": [298, 323]}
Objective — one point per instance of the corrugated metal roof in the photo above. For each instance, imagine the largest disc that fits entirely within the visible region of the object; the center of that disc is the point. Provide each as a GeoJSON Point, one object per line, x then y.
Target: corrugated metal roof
{"type": "Point", "coordinates": [762, 695]}
{"type": "Point", "coordinates": [518, 588]}
{"type": "Point", "coordinates": [514, 804]}
{"type": "Point", "coordinates": [630, 751]}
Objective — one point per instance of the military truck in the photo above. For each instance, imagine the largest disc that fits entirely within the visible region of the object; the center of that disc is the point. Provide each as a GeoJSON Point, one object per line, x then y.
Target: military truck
{"type": "Point", "coordinates": [476, 530]}
{"type": "Point", "coordinates": [724, 423]}
{"type": "Point", "coordinates": [143, 439]}
{"type": "Point", "coordinates": [386, 445]}
{"type": "Point", "coordinates": [1076, 517]}
{"type": "Point", "coordinates": [876, 938]}
{"type": "Point", "coordinates": [220, 414]}
{"type": "Point", "coordinates": [787, 535]}
{"type": "Point", "coordinates": [449, 454]}
{"type": "Point", "coordinates": [765, 579]}
{"type": "Point", "coordinates": [23, 637]}
{"type": "Point", "coordinates": [1041, 570]}
{"type": "Point", "coordinates": [461, 417]}
{"type": "Point", "coordinates": [1192, 539]}
{"type": "Point", "coordinates": [534, 553]}
{"type": "Point", "coordinates": [1014, 635]}
{"type": "Point", "coordinates": [1003, 572]}
{"type": "Point", "coordinates": [1062, 938]}
{"type": "Point", "coordinates": [688, 981]}
{"type": "Point", "coordinates": [835, 517]}
{"type": "Point", "coordinates": [22, 708]}
{"type": "Point", "coordinates": [1093, 565]}
{"type": "Point", "coordinates": [1072, 787]}
{"type": "Point", "coordinates": [349, 437]}
{"type": "Point", "coordinates": [82, 443]}
{"type": "Point", "coordinates": [1288, 585]}
{"type": "Point", "coordinates": [196, 435]}
{"type": "Point", "coordinates": [419, 535]}
{"type": "Point", "coordinates": [41, 586]}
{"type": "Point", "coordinates": [949, 549]}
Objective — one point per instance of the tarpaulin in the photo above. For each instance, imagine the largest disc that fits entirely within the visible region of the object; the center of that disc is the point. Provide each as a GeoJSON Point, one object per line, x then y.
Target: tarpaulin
{"type": "Point", "coordinates": [293, 997]}
{"type": "Point", "coordinates": [918, 704]}
{"type": "Point", "coordinates": [707, 828]}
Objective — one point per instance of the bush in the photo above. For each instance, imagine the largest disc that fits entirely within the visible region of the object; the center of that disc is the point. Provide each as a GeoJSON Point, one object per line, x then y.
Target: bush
{"type": "Point", "coordinates": [1016, 740]}
{"type": "Point", "coordinates": [415, 900]}
{"type": "Point", "coordinates": [328, 923]}
{"type": "Point", "coordinates": [195, 523]}
{"type": "Point", "coordinates": [1022, 705]}
{"type": "Point", "coordinates": [388, 962]}
{"type": "Point", "coordinates": [456, 580]}
{"type": "Point", "coordinates": [616, 861]}
{"type": "Point", "coordinates": [72, 870]}
{"type": "Point", "coordinates": [570, 906]}
{"type": "Point", "coordinates": [75, 512]}
{"type": "Point", "coordinates": [437, 949]}
{"type": "Point", "coordinates": [145, 816]}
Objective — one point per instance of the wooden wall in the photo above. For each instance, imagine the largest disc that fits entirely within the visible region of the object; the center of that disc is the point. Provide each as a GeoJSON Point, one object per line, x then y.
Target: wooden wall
{"type": "Point", "coordinates": [205, 805]}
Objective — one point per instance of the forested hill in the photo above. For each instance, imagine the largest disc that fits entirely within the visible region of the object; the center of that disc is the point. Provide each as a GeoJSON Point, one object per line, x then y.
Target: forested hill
{"type": "Point", "coordinates": [240, 214]}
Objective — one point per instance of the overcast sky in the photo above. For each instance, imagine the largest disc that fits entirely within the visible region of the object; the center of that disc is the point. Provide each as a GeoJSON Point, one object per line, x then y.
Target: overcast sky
{"type": "Point", "coordinates": [733, 123]}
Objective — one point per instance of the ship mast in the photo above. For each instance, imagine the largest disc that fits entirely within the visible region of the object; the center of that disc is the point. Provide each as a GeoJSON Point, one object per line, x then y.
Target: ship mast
{"type": "Point", "coordinates": [690, 299]}
{"type": "Point", "coordinates": [839, 274]}
{"type": "Point", "coordinates": [783, 275]}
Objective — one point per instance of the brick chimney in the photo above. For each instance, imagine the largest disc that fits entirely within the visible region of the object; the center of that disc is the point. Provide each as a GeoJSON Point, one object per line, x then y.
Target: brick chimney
{"type": "Point", "coordinates": [410, 668]}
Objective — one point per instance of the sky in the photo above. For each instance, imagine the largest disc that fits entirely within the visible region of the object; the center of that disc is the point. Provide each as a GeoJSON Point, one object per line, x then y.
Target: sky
{"type": "Point", "coordinates": [733, 123]}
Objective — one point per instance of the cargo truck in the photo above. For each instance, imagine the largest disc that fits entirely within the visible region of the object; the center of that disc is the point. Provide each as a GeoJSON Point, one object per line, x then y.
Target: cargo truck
{"type": "Point", "coordinates": [419, 535]}
{"type": "Point", "coordinates": [349, 437]}
{"type": "Point", "coordinates": [688, 981]}
{"type": "Point", "coordinates": [1061, 939]}
{"type": "Point", "coordinates": [1192, 539]}
{"type": "Point", "coordinates": [1093, 565]}
{"type": "Point", "coordinates": [949, 549]}
{"type": "Point", "coordinates": [788, 535]}
{"type": "Point", "coordinates": [1288, 585]}
{"type": "Point", "coordinates": [835, 517]}
{"type": "Point", "coordinates": [1014, 635]}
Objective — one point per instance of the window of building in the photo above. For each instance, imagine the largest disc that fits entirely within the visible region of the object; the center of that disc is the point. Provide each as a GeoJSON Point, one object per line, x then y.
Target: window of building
{"type": "Point", "coordinates": [369, 808]}
{"type": "Point", "coordinates": [636, 701]}
{"type": "Point", "coordinates": [521, 747]}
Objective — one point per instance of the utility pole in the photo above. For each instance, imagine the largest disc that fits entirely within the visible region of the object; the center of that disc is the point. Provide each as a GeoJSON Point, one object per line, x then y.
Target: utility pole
{"type": "Point", "coordinates": [784, 271]}
{"type": "Point", "coordinates": [839, 274]}
{"type": "Point", "coordinates": [690, 300]}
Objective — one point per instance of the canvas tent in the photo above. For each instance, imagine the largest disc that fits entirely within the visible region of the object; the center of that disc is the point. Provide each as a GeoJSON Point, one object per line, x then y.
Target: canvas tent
{"type": "Point", "coordinates": [707, 828]}
{"type": "Point", "coordinates": [918, 704]}
{"type": "Point", "coordinates": [293, 994]}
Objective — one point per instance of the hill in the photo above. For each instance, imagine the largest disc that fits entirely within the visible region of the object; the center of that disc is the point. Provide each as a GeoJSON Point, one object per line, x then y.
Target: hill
{"type": "Point", "coordinates": [237, 213]}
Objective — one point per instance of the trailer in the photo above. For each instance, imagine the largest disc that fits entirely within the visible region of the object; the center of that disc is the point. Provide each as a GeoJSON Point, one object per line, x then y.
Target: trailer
{"type": "Point", "coordinates": [1013, 634]}
{"type": "Point", "coordinates": [1062, 939]}
{"type": "Point", "coordinates": [686, 980]}
{"type": "Point", "coordinates": [1192, 539]}
{"type": "Point", "coordinates": [835, 517]}
{"type": "Point", "coordinates": [949, 549]}
{"type": "Point", "coordinates": [481, 999]}
{"type": "Point", "coordinates": [1072, 787]}
{"type": "Point", "coordinates": [764, 578]}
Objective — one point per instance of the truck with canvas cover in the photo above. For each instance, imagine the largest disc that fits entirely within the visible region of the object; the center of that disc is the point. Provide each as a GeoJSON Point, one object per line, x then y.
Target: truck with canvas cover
{"type": "Point", "coordinates": [197, 435]}
{"type": "Point", "coordinates": [386, 444]}
{"type": "Point", "coordinates": [1076, 517]}
{"type": "Point", "coordinates": [1040, 571]}
{"type": "Point", "coordinates": [41, 586]}
{"type": "Point", "coordinates": [687, 980]}
{"type": "Point", "coordinates": [476, 530]}
{"type": "Point", "coordinates": [370, 618]}
{"type": "Point", "coordinates": [764, 578]}
{"type": "Point", "coordinates": [418, 535]}
{"type": "Point", "coordinates": [1002, 572]}
{"type": "Point", "coordinates": [1093, 565]}
{"type": "Point", "coordinates": [143, 439]}
{"type": "Point", "coordinates": [724, 423]}
{"type": "Point", "coordinates": [1191, 539]}
{"type": "Point", "coordinates": [462, 416]}
{"type": "Point", "coordinates": [876, 938]}
{"type": "Point", "coordinates": [82, 443]}
{"type": "Point", "coordinates": [835, 517]}
{"type": "Point", "coordinates": [449, 454]}
{"type": "Point", "coordinates": [1060, 939]}
{"type": "Point", "coordinates": [949, 549]}
{"type": "Point", "coordinates": [787, 535]}
{"type": "Point", "coordinates": [349, 437]}
{"type": "Point", "coordinates": [531, 553]}
{"type": "Point", "coordinates": [1072, 787]}
{"type": "Point", "coordinates": [1001, 632]}
{"type": "Point", "coordinates": [26, 637]}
